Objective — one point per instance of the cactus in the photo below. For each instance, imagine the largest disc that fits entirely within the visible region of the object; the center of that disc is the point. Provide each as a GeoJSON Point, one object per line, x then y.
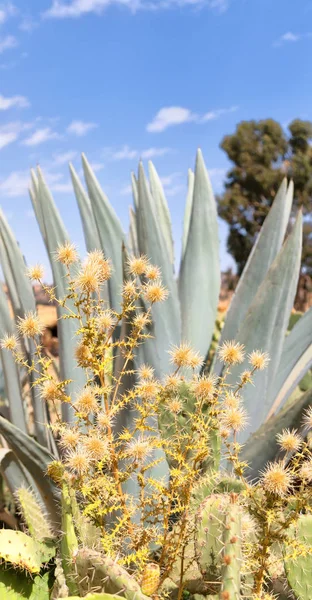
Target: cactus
{"type": "Point", "coordinates": [96, 597]}
{"type": "Point", "coordinates": [69, 542]}
{"type": "Point", "coordinates": [34, 517]}
{"type": "Point", "coordinates": [18, 586]}
{"type": "Point", "coordinates": [102, 573]}
{"type": "Point", "coordinates": [208, 536]}
{"type": "Point", "coordinates": [231, 554]}
{"type": "Point", "coordinates": [298, 566]}
{"type": "Point", "coordinates": [22, 551]}
{"type": "Point", "coordinates": [150, 579]}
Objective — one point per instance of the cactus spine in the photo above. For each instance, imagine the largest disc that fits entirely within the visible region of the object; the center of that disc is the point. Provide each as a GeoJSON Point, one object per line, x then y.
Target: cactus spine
{"type": "Point", "coordinates": [231, 556]}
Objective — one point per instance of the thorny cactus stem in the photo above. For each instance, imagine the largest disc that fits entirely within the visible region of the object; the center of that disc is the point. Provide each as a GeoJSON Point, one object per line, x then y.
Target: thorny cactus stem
{"type": "Point", "coordinates": [231, 556]}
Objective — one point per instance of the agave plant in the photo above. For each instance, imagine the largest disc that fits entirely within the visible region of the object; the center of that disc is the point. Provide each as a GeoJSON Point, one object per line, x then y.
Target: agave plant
{"type": "Point", "coordinates": [258, 315]}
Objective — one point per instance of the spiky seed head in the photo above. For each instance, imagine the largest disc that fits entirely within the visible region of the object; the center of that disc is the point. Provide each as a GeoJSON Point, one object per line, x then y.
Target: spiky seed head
{"type": "Point", "coordinates": [83, 354]}
{"type": "Point", "coordinates": [30, 326]}
{"type": "Point", "coordinates": [96, 261]}
{"type": "Point", "coordinates": [148, 389]}
{"type": "Point", "coordinates": [78, 461]}
{"type": "Point", "coordinates": [204, 387]}
{"type": "Point", "coordinates": [155, 292]}
{"type": "Point", "coordinates": [175, 405]}
{"type": "Point", "coordinates": [96, 447]}
{"type": "Point", "coordinates": [307, 418]}
{"type": "Point", "coordinates": [246, 377]}
{"type": "Point", "coordinates": [306, 470]}
{"type": "Point", "coordinates": [289, 441]}
{"type": "Point", "coordinates": [171, 382]}
{"type": "Point", "coordinates": [140, 321]}
{"type": "Point", "coordinates": [55, 470]}
{"type": "Point", "coordinates": [231, 353]}
{"type": "Point", "coordinates": [152, 272]}
{"type": "Point", "coordinates": [49, 390]}
{"type": "Point", "coordinates": [225, 433]}
{"type": "Point", "coordinates": [69, 439]}
{"type": "Point", "coordinates": [104, 420]}
{"type": "Point", "coordinates": [183, 356]}
{"type": "Point", "coordinates": [232, 400]}
{"type": "Point", "coordinates": [87, 401]}
{"type": "Point", "coordinates": [276, 479]}
{"type": "Point", "coordinates": [196, 360]}
{"type": "Point", "coordinates": [66, 254]}
{"type": "Point", "coordinates": [129, 290]}
{"type": "Point", "coordinates": [105, 321]}
{"type": "Point", "coordinates": [145, 372]}
{"type": "Point", "coordinates": [234, 419]}
{"type": "Point", "coordinates": [138, 265]}
{"type": "Point", "coordinates": [35, 273]}
{"type": "Point", "coordinates": [88, 279]}
{"type": "Point", "coordinates": [259, 360]}
{"type": "Point", "coordinates": [9, 342]}
{"type": "Point", "coordinates": [139, 448]}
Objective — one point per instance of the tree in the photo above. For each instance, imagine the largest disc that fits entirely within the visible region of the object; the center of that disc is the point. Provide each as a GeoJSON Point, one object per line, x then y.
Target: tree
{"type": "Point", "coordinates": [262, 154]}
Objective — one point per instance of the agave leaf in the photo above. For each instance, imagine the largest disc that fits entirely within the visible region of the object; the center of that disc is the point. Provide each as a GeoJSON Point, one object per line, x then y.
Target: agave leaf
{"type": "Point", "coordinates": [55, 234]}
{"type": "Point", "coordinates": [266, 248]}
{"type": "Point", "coordinates": [295, 361]}
{"type": "Point", "coordinates": [199, 281]}
{"type": "Point", "coordinates": [12, 471]}
{"type": "Point", "coordinates": [133, 235]}
{"type": "Point", "coordinates": [35, 459]}
{"type": "Point", "coordinates": [110, 232]}
{"type": "Point", "coordinates": [23, 300]}
{"type": "Point", "coordinates": [10, 370]}
{"type": "Point", "coordinates": [265, 325]}
{"type": "Point", "coordinates": [135, 193]}
{"type": "Point", "coordinates": [166, 316]}
{"type": "Point", "coordinates": [262, 446]}
{"type": "Point", "coordinates": [188, 209]}
{"type": "Point", "coordinates": [162, 209]}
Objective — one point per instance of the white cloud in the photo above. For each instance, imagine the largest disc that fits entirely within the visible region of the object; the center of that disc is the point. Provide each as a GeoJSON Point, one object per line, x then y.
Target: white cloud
{"type": "Point", "coordinates": [169, 116]}
{"type": "Point", "coordinates": [28, 24]}
{"type": "Point", "coordinates": [11, 132]}
{"type": "Point", "coordinates": [62, 188]}
{"type": "Point", "coordinates": [7, 42]}
{"type": "Point", "coordinates": [16, 184]}
{"type": "Point", "coordinates": [80, 128]}
{"type": "Point", "coordinates": [215, 114]}
{"type": "Point", "coordinates": [125, 153]}
{"type": "Point", "coordinates": [6, 11]}
{"type": "Point", "coordinates": [18, 101]}
{"type": "Point", "coordinates": [176, 115]}
{"type": "Point", "coordinates": [126, 191]}
{"type": "Point", "coordinates": [96, 167]}
{"type": "Point", "coordinates": [291, 37]}
{"type": "Point", "coordinates": [77, 8]}
{"type": "Point", "coordinates": [64, 158]}
{"type": "Point", "coordinates": [154, 152]}
{"type": "Point", "coordinates": [40, 136]}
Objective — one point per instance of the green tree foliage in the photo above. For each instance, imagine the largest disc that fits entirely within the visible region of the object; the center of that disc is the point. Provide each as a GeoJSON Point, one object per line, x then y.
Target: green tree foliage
{"type": "Point", "coordinates": [262, 154]}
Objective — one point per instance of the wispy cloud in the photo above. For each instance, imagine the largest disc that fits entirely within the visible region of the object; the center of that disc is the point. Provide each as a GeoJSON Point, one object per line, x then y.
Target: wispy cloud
{"type": "Point", "coordinates": [10, 132]}
{"type": "Point", "coordinates": [64, 157]}
{"type": "Point", "coordinates": [291, 37]}
{"type": "Point", "coordinates": [128, 153]}
{"type": "Point", "coordinates": [28, 24]}
{"type": "Point", "coordinates": [40, 136]}
{"type": "Point", "coordinates": [80, 128]}
{"type": "Point", "coordinates": [14, 101]}
{"type": "Point", "coordinates": [7, 42]}
{"type": "Point", "coordinates": [16, 184]}
{"type": "Point", "coordinates": [176, 115]}
{"type": "Point", "coordinates": [77, 8]}
{"type": "Point", "coordinates": [6, 10]}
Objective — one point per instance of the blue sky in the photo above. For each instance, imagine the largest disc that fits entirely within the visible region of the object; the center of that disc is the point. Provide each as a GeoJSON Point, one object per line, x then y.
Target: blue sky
{"type": "Point", "coordinates": [124, 79]}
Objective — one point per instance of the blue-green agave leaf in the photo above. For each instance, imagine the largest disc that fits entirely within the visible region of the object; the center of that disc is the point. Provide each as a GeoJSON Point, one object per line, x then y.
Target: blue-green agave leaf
{"type": "Point", "coordinates": [295, 361]}
{"type": "Point", "coordinates": [135, 193]}
{"type": "Point", "coordinates": [12, 471]}
{"type": "Point", "coordinates": [162, 209]}
{"type": "Point", "coordinates": [10, 369]}
{"type": "Point", "coordinates": [166, 316]}
{"type": "Point", "coordinates": [87, 218]}
{"type": "Point", "coordinates": [133, 235]}
{"type": "Point", "coordinates": [199, 280]}
{"type": "Point", "coordinates": [266, 248]}
{"type": "Point", "coordinates": [55, 234]}
{"type": "Point", "coordinates": [35, 459]}
{"type": "Point", "coordinates": [265, 324]}
{"type": "Point", "coordinates": [110, 232]}
{"type": "Point", "coordinates": [188, 209]}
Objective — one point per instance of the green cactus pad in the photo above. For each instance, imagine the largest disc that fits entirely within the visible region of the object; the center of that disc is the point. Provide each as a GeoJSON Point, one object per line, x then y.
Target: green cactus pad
{"type": "Point", "coordinates": [23, 551]}
{"type": "Point", "coordinates": [96, 597]}
{"type": "Point", "coordinates": [208, 536]}
{"type": "Point", "coordinates": [35, 519]}
{"type": "Point", "coordinates": [18, 586]}
{"type": "Point", "coordinates": [298, 570]}
{"type": "Point", "coordinates": [231, 554]}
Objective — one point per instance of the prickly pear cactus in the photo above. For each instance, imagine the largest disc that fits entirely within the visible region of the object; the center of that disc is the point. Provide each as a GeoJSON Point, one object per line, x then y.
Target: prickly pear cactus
{"type": "Point", "coordinates": [208, 536]}
{"type": "Point", "coordinates": [15, 585]}
{"type": "Point", "coordinates": [69, 542]}
{"type": "Point", "coordinates": [231, 553]}
{"type": "Point", "coordinates": [298, 569]}
{"type": "Point", "coordinates": [34, 517]}
{"type": "Point", "coordinates": [23, 551]}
